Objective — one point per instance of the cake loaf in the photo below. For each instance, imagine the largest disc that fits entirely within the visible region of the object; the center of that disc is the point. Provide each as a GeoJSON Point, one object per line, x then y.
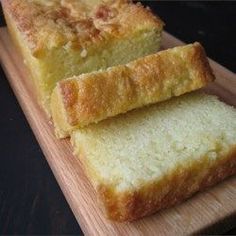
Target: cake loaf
{"type": "Point", "coordinates": [155, 157]}
{"type": "Point", "coordinates": [89, 98]}
{"type": "Point", "coordinates": [62, 38]}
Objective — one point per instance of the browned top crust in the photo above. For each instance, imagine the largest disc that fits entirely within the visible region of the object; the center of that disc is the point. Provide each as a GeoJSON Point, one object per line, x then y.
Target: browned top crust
{"type": "Point", "coordinates": [48, 24]}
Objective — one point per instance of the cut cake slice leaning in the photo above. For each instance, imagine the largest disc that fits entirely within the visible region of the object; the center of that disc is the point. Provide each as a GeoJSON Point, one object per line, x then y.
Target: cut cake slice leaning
{"type": "Point", "coordinates": [90, 98]}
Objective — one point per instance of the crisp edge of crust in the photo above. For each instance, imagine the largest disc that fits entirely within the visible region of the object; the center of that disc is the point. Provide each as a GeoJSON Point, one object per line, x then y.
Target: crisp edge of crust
{"type": "Point", "coordinates": [180, 185]}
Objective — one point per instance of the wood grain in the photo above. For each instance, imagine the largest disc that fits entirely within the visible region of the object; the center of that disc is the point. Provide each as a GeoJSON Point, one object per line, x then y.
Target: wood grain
{"type": "Point", "coordinates": [214, 207]}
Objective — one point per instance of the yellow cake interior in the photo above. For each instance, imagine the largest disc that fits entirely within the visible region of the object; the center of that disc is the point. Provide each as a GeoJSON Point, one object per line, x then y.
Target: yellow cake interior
{"type": "Point", "coordinates": [147, 159]}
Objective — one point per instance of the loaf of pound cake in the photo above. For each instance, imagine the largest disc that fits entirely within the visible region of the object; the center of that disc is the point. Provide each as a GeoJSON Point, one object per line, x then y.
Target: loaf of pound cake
{"type": "Point", "coordinates": [157, 156]}
{"type": "Point", "coordinates": [62, 38]}
{"type": "Point", "coordinates": [92, 97]}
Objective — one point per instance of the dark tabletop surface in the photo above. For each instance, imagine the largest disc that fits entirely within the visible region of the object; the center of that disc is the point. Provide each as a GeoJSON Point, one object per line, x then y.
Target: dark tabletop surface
{"type": "Point", "coordinates": [31, 201]}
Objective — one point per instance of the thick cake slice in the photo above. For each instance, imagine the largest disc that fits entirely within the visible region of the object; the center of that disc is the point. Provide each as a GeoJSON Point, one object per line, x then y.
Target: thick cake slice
{"type": "Point", "coordinates": [89, 98]}
{"type": "Point", "coordinates": [152, 158]}
{"type": "Point", "coordinates": [62, 38]}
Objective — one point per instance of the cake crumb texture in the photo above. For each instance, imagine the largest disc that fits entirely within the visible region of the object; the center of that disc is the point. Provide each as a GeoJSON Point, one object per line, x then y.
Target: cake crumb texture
{"type": "Point", "coordinates": [90, 98]}
{"type": "Point", "coordinates": [152, 158]}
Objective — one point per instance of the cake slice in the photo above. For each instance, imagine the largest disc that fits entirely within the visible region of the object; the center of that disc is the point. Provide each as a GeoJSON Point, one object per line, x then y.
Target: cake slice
{"type": "Point", "coordinates": [62, 38]}
{"type": "Point", "coordinates": [89, 98]}
{"type": "Point", "coordinates": [152, 158]}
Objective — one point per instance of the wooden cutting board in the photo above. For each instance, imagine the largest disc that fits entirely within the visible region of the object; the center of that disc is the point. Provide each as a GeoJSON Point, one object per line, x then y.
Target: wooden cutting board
{"type": "Point", "coordinates": [215, 208]}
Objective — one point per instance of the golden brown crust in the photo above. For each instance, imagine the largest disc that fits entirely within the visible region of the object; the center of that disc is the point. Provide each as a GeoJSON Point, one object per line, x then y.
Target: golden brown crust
{"type": "Point", "coordinates": [198, 58]}
{"type": "Point", "coordinates": [180, 185]}
{"type": "Point", "coordinates": [48, 24]}
{"type": "Point", "coordinates": [96, 96]}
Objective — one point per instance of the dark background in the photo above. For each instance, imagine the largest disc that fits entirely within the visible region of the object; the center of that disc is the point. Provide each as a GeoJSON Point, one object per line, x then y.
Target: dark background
{"type": "Point", "coordinates": [31, 201]}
